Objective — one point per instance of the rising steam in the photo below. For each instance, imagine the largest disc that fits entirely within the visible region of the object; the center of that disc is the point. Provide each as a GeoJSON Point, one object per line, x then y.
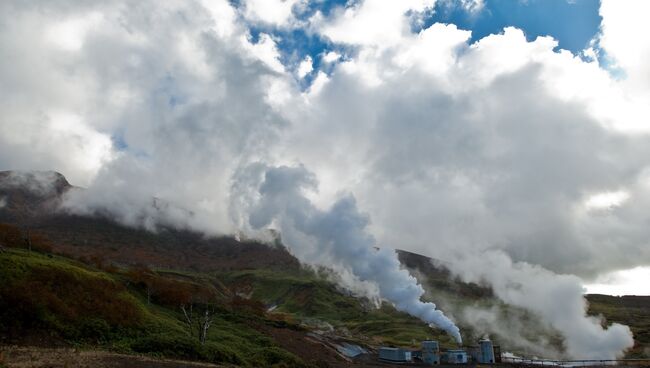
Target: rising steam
{"type": "Point", "coordinates": [333, 237]}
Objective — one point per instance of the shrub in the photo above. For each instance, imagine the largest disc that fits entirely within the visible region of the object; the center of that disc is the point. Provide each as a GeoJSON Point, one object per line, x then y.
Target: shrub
{"type": "Point", "coordinates": [276, 357]}
{"type": "Point", "coordinates": [185, 347]}
{"type": "Point", "coordinates": [178, 346]}
{"type": "Point", "coordinates": [95, 328]}
{"type": "Point", "coordinates": [13, 237]}
{"type": "Point", "coordinates": [59, 297]}
{"type": "Point", "coordinates": [218, 353]}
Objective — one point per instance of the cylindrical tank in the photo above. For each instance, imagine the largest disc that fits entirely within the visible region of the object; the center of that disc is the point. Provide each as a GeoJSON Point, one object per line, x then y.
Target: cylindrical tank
{"type": "Point", "coordinates": [486, 352]}
{"type": "Point", "coordinates": [430, 352]}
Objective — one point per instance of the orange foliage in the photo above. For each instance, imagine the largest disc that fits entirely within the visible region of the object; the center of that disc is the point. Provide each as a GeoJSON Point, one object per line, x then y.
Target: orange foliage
{"type": "Point", "coordinates": [169, 292]}
{"type": "Point", "coordinates": [40, 242]}
{"type": "Point", "coordinates": [13, 237]}
{"type": "Point", "coordinates": [68, 297]}
{"type": "Point", "coordinates": [250, 305]}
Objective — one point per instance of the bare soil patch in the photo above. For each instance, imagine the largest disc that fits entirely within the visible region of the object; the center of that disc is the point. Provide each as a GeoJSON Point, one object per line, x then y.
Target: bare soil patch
{"type": "Point", "coordinates": [36, 357]}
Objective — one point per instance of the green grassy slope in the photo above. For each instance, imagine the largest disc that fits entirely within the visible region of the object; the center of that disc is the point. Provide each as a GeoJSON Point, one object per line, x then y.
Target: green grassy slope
{"type": "Point", "coordinates": [78, 304]}
{"type": "Point", "coordinates": [633, 311]}
{"type": "Point", "coordinates": [71, 302]}
{"type": "Point", "coordinates": [75, 303]}
{"type": "Point", "coordinates": [320, 304]}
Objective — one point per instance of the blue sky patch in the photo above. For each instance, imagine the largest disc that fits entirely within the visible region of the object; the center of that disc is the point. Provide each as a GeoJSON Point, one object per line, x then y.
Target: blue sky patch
{"type": "Point", "coordinates": [573, 23]}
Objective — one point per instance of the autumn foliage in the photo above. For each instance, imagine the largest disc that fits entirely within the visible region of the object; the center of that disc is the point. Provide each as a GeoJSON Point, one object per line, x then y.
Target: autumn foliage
{"type": "Point", "coordinates": [73, 302]}
{"type": "Point", "coordinates": [168, 292]}
{"type": "Point", "coordinates": [13, 237]}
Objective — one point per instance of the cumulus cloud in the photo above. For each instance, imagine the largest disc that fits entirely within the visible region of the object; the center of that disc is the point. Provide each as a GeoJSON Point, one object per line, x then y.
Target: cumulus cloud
{"type": "Point", "coordinates": [370, 22]}
{"type": "Point", "coordinates": [305, 67]}
{"type": "Point", "coordinates": [331, 57]}
{"type": "Point", "coordinates": [455, 150]}
{"type": "Point", "coordinates": [624, 36]}
{"type": "Point", "coordinates": [274, 12]}
{"type": "Point", "coordinates": [158, 94]}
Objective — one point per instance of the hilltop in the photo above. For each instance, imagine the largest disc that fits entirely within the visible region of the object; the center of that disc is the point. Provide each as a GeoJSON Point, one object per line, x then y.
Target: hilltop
{"type": "Point", "coordinates": [268, 308]}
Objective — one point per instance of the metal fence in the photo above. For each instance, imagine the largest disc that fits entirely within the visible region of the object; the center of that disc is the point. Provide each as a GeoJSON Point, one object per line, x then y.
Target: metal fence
{"type": "Point", "coordinates": [577, 363]}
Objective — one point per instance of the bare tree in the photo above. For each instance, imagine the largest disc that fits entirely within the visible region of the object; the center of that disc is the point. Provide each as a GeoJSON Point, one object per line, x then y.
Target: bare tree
{"type": "Point", "coordinates": [200, 323]}
{"type": "Point", "coordinates": [206, 322]}
{"type": "Point", "coordinates": [189, 317]}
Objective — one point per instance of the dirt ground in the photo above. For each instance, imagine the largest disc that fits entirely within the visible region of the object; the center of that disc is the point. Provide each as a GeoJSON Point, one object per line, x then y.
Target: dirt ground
{"type": "Point", "coordinates": [310, 350]}
{"type": "Point", "coordinates": [37, 357]}
{"type": "Point", "coordinates": [320, 351]}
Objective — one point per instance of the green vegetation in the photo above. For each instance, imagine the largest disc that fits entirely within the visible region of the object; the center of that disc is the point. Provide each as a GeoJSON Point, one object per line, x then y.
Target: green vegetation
{"type": "Point", "coordinates": [317, 302]}
{"type": "Point", "coordinates": [633, 311]}
{"type": "Point", "coordinates": [90, 307]}
{"type": "Point", "coordinates": [138, 310]}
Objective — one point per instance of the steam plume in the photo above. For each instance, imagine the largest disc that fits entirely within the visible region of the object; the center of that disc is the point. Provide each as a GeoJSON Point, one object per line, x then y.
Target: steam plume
{"type": "Point", "coordinates": [336, 236]}
{"type": "Point", "coordinates": [556, 298]}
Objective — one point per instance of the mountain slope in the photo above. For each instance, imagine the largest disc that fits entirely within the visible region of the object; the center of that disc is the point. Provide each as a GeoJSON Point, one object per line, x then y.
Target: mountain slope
{"type": "Point", "coordinates": [30, 202]}
{"type": "Point", "coordinates": [261, 289]}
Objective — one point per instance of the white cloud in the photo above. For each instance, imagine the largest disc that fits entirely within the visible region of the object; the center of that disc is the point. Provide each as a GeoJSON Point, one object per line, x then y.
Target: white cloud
{"type": "Point", "coordinates": [305, 67]}
{"type": "Point", "coordinates": [276, 12]}
{"type": "Point", "coordinates": [626, 38]}
{"type": "Point", "coordinates": [318, 83]}
{"type": "Point", "coordinates": [266, 50]}
{"type": "Point", "coordinates": [331, 57]}
{"type": "Point", "coordinates": [626, 282]}
{"type": "Point", "coordinates": [454, 150]}
{"type": "Point", "coordinates": [371, 22]}
{"type": "Point", "coordinates": [606, 200]}
{"type": "Point", "coordinates": [470, 6]}
{"type": "Point", "coordinates": [69, 34]}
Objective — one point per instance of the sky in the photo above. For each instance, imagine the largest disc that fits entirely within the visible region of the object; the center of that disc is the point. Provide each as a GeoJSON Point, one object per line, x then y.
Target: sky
{"type": "Point", "coordinates": [507, 139]}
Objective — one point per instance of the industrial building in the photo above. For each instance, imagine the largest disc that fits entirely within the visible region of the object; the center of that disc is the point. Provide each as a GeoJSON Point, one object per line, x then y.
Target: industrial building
{"type": "Point", "coordinates": [395, 354]}
{"type": "Point", "coordinates": [430, 352]}
{"type": "Point", "coordinates": [456, 356]}
{"type": "Point", "coordinates": [484, 353]}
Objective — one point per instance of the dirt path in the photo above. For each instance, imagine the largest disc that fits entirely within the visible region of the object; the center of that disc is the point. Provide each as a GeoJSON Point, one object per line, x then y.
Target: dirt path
{"type": "Point", "coordinates": [34, 357]}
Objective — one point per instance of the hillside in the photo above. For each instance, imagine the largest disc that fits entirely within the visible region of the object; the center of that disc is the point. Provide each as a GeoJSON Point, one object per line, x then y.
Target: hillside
{"type": "Point", "coordinates": [64, 302]}
{"type": "Point", "coordinates": [633, 311]}
{"type": "Point", "coordinates": [268, 309]}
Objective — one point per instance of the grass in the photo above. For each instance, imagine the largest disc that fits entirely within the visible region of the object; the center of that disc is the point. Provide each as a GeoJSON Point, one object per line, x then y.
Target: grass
{"type": "Point", "coordinates": [313, 299]}
{"type": "Point", "coordinates": [633, 311]}
{"type": "Point", "coordinates": [89, 307]}
{"type": "Point", "coordinates": [86, 306]}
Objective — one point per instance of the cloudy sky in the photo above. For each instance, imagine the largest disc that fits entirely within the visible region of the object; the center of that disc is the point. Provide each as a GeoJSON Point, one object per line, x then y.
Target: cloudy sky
{"type": "Point", "coordinates": [489, 134]}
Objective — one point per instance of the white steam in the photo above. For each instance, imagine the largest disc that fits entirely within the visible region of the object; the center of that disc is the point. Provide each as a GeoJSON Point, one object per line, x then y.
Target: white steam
{"type": "Point", "coordinates": [514, 328]}
{"type": "Point", "coordinates": [448, 143]}
{"type": "Point", "coordinates": [36, 182]}
{"type": "Point", "coordinates": [556, 298]}
{"type": "Point", "coordinates": [334, 237]}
